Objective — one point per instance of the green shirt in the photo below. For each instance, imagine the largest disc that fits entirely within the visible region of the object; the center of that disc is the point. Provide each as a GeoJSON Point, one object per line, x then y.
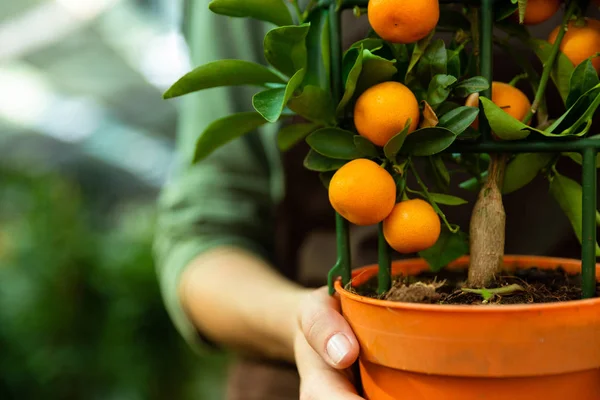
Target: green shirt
{"type": "Point", "coordinates": [228, 198]}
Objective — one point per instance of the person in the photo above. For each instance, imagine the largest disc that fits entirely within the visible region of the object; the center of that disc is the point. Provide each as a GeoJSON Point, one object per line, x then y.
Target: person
{"type": "Point", "coordinates": [245, 238]}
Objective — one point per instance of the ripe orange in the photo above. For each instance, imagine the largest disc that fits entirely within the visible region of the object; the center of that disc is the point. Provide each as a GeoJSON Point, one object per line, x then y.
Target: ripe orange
{"type": "Point", "coordinates": [512, 100]}
{"type": "Point", "coordinates": [580, 43]}
{"type": "Point", "coordinates": [403, 21]}
{"type": "Point", "coordinates": [382, 111]}
{"type": "Point", "coordinates": [362, 192]}
{"type": "Point", "coordinates": [412, 226]}
{"type": "Point", "coordinates": [538, 11]}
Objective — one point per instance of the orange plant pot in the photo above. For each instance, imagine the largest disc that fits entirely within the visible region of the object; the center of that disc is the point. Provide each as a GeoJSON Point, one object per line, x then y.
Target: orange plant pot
{"type": "Point", "coordinates": [446, 352]}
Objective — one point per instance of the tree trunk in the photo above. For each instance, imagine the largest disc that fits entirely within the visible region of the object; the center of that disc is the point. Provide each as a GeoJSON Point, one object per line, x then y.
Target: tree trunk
{"type": "Point", "coordinates": [487, 230]}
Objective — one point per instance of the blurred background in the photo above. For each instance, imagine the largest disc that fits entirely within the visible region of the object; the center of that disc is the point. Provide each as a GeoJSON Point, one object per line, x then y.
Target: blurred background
{"type": "Point", "coordinates": [85, 144]}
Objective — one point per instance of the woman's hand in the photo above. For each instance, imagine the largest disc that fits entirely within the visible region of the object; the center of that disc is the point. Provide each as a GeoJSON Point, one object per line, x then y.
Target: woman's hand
{"type": "Point", "coordinates": [325, 347]}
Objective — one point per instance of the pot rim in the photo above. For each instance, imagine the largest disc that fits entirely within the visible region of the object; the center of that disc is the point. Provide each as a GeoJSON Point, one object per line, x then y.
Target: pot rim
{"type": "Point", "coordinates": [455, 308]}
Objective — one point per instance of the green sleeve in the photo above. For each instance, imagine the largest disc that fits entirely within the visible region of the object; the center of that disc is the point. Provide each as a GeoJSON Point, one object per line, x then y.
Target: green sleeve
{"type": "Point", "coordinates": [229, 197]}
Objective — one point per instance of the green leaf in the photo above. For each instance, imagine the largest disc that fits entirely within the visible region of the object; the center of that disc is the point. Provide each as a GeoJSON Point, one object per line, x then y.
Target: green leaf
{"type": "Point", "coordinates": [274, 11]}
{"type": "Point", "coordinates": [270, 103]}
{"type": "Point", "coordinates": [291, 135]}
{"type": "Point", "coordinates": [371, 44]}
{"type": "Point", "coordinates": [334, 143]}
{"type": "Point", "coordinates": [365, 146]}
{"type": "Point", "coordinates": [459, 119]}
{"type": "Point", "coordinates": [326, 177]}
{"type": "Point", "coordinates": [285, 48]}
{"type": "Point", "coordinates": [352, 79]}
{"type": "Point", "coordinates": [319, 163]}
{"type": "Point", "coordinates": [453, 64]}
{"type": "Point", "coordinates": [433, 61]}
{"type": "Point", "coordinates": [317, 44]}
{"type": "Point", "coordinates": [224, 130]}
{"type": "Point", "coordinates": [584, 78]}
{"type": "Point", "coordinates": [504, 9]}
{"type": "Point", "coordinates": [440, 172]}
{"type": "Point", "coordinates": [428, 141]}
{"type": "Point", "coordinates": [375, 70]}
{"type": "Point", "coordinates": [441, 198]}
{"type": "Point", "coordinates": [394, 145]}
{"type": "Point", "coordinates": [523, 169]}
{"type": "Point", "coordinates": [577, 157]}
{"type": "Point", "coordinates": [222, 73]}
{"type": "Point", "coordinates": [515, 30]}
{"type": "Point", "coordinates": [439, 89]}
{"type": "Point", "coordinates": [418, 52]}
{"type": "Point", "coordinates": [448, 248]}
{"type": "Point", "coordinates": [580, 114]}
{"type": "Point", "coordinates": [502, 124]}
{"type": "Point", "coordinates": [446, 107]}
{"type": "Point", "coordinates": [563, 68]}
{"type": "Point", "coordinates": [569, 196]}
{"type": "Point", "coordinates": [475, 84]}
{"type": "Point", "coordinates": [314, 104]}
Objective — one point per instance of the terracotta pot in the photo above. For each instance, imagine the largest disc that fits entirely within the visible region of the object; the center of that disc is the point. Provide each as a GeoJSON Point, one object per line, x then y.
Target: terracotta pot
{"type": "Point", "coordinates": [445, 352]}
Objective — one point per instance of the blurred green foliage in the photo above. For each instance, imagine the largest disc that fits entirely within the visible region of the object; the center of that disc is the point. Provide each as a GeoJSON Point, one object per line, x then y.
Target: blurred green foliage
{"type": "Point", "coordinates": [80, 312]}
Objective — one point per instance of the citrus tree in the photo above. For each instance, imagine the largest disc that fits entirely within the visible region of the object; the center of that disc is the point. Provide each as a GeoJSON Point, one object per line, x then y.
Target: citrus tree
{"type": "Point", "coordinates": [402, 96]}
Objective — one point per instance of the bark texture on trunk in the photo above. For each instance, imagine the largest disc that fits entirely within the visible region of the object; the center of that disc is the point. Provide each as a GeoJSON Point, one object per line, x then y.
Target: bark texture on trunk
{"type": "Point", "coordinates": [487, 229]}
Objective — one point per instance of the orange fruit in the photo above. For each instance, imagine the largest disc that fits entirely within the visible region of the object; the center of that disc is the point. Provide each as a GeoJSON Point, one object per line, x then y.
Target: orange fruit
{"type": "Point", "coordinates": [381, 112]}
{"type": "Point", "coordinates": [512, 100]}
{"type": "Point", "coordinates": [403, 21]}
{"type": "Point", "coordinates": [363, 192]}
{"type": "Point", "coordinates": [412, 226]}
{"type": "Point", "coordinates": [580, 43]}
{"type": "Point", "coordinates": [538, 11]}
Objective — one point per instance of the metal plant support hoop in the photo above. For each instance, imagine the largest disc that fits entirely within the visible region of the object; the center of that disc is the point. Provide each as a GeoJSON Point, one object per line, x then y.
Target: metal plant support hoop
{"type": "Point", "coordinates": [588, 148]}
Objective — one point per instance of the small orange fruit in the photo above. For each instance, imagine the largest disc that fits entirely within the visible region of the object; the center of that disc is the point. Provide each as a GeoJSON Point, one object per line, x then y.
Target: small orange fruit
{"type": "Point", "coordinates": [412, 226]}
{"type": "Point", "coordinates": [512, 100]}
{"type": "Point", "coordinates": [382, 111]}
{"type": "Point", "coordinates": [363, 192]}
{"type": "Point", "coordinates": [403, 21]}
{"type": "Point", "coordinates": [580, 43]}
{"type": "Point", "coordinates": [538, 11]}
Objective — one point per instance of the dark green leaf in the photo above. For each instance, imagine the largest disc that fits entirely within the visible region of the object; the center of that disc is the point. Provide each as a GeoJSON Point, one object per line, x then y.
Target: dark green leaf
{"type": "Point", "coordinates": [314, 104]}
{"type": "Point", "coordinates": [418, 51]}
{"type": "Point", "coordinates": [454, 20]}
{"type": "Point", "coordinates": [351, 82]}
{"type": "Point", "coordinates": [317, 44]}
{"type": "Point", "coordinates": [459, 119]}
{"type": "Point", "coordinates": [502, 124]}
{"type": "Point", "coordinates": [274, 11]}
{"type": "Point", "coordinates": [222, 73]}
{"type": "Point", "coordinates": [523, 169]}
{"type": "Point", "coordinates": [433, 61]}
{"type": "Point", "coordinates": [285, 48]}
{"type": "Point", "coordinates": [334, 143]}
{"type": "Point", "coordinates": [442, 176]}
{"type": "Point", "coordinates": [504, 9]}
{"type": "Point", "coordinates": [224, 130]}
{"type": "Point", "coordinates": [394, 145]}
{"type": "Point", "coordinates": [446, 107]}
{"type": "Point", "coordinates": [475, 84]}
{"type": "Point", "coordinates": [583, 79]}
{"type": "Point", "coordinates": [563, 67]}
{"type": "Point", "coordinates": [319, 163]}
{"type": "Point", "coordinates": [569, 196]}
{"type": "Point", "coordinates": [428, 141]}
{"type": "Point", "coordinates": [448, 248]}
{"type": "Point", "coordinates": [374, 70]}
{"type": "Point", "coordinates": [291, 135]}
{"type": "Point", "coordinates": [445, 199]}
{"type": "Point", "coordinates": [579, 115]}
{"type": "Point", "coordinates": [365, 146]}
{"type": "Point", "coordinates": [371, 44]}
{"type": "Point", "coordinates": [453, 63]}
{"type": "Point", "coordinates": [515, 30]}
{"type": "Point", "coordinates": [326, 177]}
{"type": "Point", "coordinates": [270, 103]}
{"type": "Point", "coordinates": [439, 89]}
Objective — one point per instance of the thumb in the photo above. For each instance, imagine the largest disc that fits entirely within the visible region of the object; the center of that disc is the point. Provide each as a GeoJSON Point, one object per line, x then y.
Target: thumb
{"type": "Point", "coordinates": [326, 330]}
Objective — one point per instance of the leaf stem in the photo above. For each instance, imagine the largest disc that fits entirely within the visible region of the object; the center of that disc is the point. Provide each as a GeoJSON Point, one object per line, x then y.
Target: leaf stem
{"type": "Point", "coordinates": [517, 78]}
{"type": "Point", "coordinates": [539, 95]}
{"type": "Point", "coordinates": [431, 201]}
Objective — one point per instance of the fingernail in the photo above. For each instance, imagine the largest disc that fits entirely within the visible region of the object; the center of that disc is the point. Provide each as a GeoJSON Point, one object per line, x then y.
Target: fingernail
{"type": "Point", "coordinates": [337, 347]}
